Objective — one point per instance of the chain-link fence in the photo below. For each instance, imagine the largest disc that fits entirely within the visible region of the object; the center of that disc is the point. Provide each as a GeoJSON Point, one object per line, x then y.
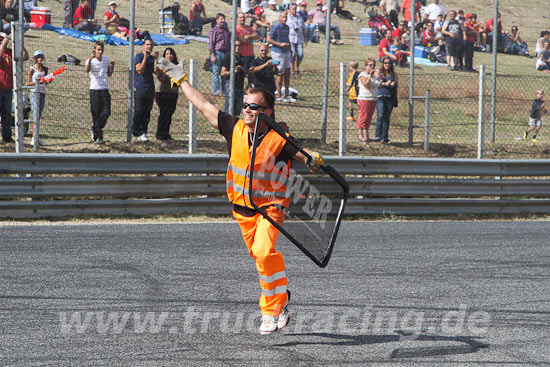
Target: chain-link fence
{"type": "Point", "coordinates": [66, 119]}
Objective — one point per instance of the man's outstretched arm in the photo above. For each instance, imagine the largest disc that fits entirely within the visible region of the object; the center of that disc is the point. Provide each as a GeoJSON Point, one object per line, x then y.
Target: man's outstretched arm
{"type": "Point", "coordinates": [198, 100]}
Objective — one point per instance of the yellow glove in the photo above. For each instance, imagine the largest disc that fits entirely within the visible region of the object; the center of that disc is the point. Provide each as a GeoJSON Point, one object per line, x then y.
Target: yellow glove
{"type": "Point", "coordinates": [175, 72]}
{"type": "Point", "coordinates": [315, 162]}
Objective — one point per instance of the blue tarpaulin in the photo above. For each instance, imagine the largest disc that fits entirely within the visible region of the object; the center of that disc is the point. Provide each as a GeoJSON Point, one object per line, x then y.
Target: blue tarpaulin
{"type": "Point", "coordinates": [158, 39]}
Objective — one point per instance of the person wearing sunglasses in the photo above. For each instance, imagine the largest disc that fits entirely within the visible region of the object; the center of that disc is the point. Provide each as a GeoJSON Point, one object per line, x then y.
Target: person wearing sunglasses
{"type": "Point", "coordinates": [261, 73]}
{"type": "Point", "coordinates": [366, 99]}
{"type": "Point", "coordinates": [386, 100]}
{"type": "Point", "coordinates": [273, 159]}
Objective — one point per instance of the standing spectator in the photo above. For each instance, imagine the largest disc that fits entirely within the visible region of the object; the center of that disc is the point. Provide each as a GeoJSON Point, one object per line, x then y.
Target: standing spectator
{"type": "Point", "coordinates": [535, 120]}
{"type": "Point", "coordinates": [69, 9]}
{"type": "Point", "coordinates": [352, 86]}
{"type": "Point", "coordinates": [145, 65]}
{"type": "Point", "coordinates": [111, 19]}
{"type": "Point", "coordinates": [246, 36]}
{"type": "Point", "coordinates": [433, 10]}
{"type": "Point", "coordinates": [6, 86]}
{"type": "Point", "coordinates": [310, 27]}
{"type": "Point", "coordinates": [455, 34]}
{"type": "Point", "coordinates": [366, 99]}
{"type": "Point", "coordinates": [100, 69]}
{"type": "Point", "coordinates": [93, 5]}
{"type": "Point", "coordinates": [406, 10]}
{"type": "Point", "coordinates": [166, 97]}
{"type": "Point", "coordinates": [278, 37]}
{"type": "Point", "coordinates": [259, 23]}
{"type": "Point", "coordinates": [197, 16]}
{"type": "Point", "coordinates": [518, 46]}
{"type": "Point", "coordinates": [471, 32]}
{"type": "Point", "coordinates": [391, 9]}
{"type": "Point", "coordinates": [262, 71]}
{"type": "Point", "coordinates": [320, 20]}
{"type": "Point", "coordinates": [297, 37]}
{"type": "Point", "coordinates": [37, 72]}
{"type": "Point", "coordinates": [386, 100]}
{"type": "Point", "coordinates": [84, 18]}
{"type": "Point", "coordinates": [219, 43]}
{"type": "Point", "coordinates": [239, 79]}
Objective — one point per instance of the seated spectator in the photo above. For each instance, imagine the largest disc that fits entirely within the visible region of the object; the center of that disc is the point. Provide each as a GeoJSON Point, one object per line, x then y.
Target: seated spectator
{"type": "Point", "coordinates": [399, 31]}
{"type": "Point", "coordinates": [542, 64]}
{"type": "Point", "coordinates": [197, 17]}
{"type": "Point", "coordinates": [260, 24]}
{"type": "Point", "coordinates": [319, 19]}
{"type": "Point", "coordinates": [544, 35]}
{"type": "Point", "coordinates": [310, 27]}
{"type": "Point", "coordinates": [111, 19]}
{"type": "Point", "coordinates": [517, 46]}
{"type": "Point", "coordinates": [181, 22]}
{"type": "Point", "coordinates": [261, 73]}
{"type": "Point", "coordinates": [429, 36]}
{"type": "Point", "coordinates": [544, 56]}
{"type": "Point", "coordinates": [487, 34]}
{"type": "Point", "coordinates": [384, 50]}
{"type": "Point", "coordinates": [8, 14]}
{"type": "Point", "coordinates": [339, 11]}
{"type": "Point", "coordinates": [271, 14]}
{"type": "Point", "coordinates": [84, 18]}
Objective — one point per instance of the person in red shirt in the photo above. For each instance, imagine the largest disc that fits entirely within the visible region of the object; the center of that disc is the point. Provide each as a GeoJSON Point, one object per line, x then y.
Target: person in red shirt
{"type": "Point", "coordinates": [471, 33]}
{"type": "Point", "coordinates": [84, 18]}
{"type": "Point", "coordinates": [406, 10]}
{"type": "Point", "coordinates": [487, 34]}
{"type": "Point", "coordinates": [6, 85]}
{"type": "Point", "coordinates": [111, 19]}
{"type": "Point", "coordinates": [399, 31]}
{"type": "Point", "coordinates": [247, 36]}
{"type": "Point", "coordinates": [384, 47]}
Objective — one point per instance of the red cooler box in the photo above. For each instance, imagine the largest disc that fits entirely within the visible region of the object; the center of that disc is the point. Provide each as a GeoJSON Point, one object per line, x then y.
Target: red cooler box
{"type": "Point", "coordinates": [41, 16]}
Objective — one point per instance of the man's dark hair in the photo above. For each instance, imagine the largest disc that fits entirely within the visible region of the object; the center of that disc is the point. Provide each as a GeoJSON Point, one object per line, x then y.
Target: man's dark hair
{"type": "Point", "coordinates": [268, 97]}
{"type": "Point", "coordinates": [220, 15]}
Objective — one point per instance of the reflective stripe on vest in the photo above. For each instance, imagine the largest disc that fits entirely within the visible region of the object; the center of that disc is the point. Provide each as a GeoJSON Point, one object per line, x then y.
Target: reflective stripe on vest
{"type": "Point", "coordinates": [269, 185]}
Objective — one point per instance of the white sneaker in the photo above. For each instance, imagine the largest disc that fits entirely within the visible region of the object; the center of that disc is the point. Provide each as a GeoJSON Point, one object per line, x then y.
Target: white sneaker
{"type": "Point", "coordinates": [92, 134]}
{"type": "Point", "coordinates": [280, 99]}
{"type": "Point", "coordinates": [40, 142]}
{"type": "Point", "coordinates": [290, 99]}
{"type": "Point", "coordinates": [284, 316]}
{"type": "Point", "coordinates": [269, 325]}
{"type": "Point", "coordinates": [142, 138]}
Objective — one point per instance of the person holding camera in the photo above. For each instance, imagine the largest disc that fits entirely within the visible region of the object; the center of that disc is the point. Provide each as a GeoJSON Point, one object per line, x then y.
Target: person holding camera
{"type": "Point", "coordinates": [297, 37]}
{"type": "Point", "coordinates": [263, 68]}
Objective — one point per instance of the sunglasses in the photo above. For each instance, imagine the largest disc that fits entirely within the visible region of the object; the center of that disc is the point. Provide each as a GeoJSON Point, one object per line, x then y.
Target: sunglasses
{"type": "Point", "coordinates": [371, 65]}
{"type": "Point", "coordinates": [252, 106]}
{"type": "Point", "coordinates": [386, 63]}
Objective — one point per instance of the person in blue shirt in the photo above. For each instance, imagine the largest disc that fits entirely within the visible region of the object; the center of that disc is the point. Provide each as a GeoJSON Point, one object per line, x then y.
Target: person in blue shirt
{"type": "Point", "coordinates": [535, 120]}
{"type": "Point", "coordinates": [280, 51]}
{"type": "Point", "coordinates": [145, 65]}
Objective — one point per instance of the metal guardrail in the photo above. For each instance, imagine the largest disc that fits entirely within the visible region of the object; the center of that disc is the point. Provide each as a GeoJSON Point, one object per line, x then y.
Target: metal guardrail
{"type": "Point", "coordinates": [135, 184]}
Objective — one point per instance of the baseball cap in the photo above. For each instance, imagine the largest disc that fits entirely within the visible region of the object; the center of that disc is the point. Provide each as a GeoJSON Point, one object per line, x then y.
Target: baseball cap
{"type": "Point", "coordinates": [303, 3]}
{"type": "Point", "coordinates": [112, 3]}
{"type": "Point", "coordinates": [319, 2]}
{"type": "Point", "coordinates": [38, 53]}
{"type": "Point", "coordinates": [468, 16]}
{"type": "Point", "coordinates": [272, 2]}
{"type": "Point", "coordinates": [259, 10]}
{"type": "Point", "coordinates": [3, 35]}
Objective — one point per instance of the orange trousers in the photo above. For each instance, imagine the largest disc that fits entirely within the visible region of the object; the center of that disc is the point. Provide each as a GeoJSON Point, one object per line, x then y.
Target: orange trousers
{"type": "Point", "coordinates": [260, 237]}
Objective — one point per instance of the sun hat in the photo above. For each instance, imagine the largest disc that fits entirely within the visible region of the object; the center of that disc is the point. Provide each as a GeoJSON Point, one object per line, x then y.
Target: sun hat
{"type": "Point", "coordinates": [38, 53]}
{"type": "Point", "coordinates": [272, 2]}
{"type": "Point", "coordinates": [112, 3]}
{"type": "Point", "coordinates": [259, 10]}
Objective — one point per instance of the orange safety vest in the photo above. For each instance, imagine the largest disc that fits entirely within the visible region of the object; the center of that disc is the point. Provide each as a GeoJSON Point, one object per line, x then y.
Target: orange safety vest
{"type": "Point", "coordinates": [269, 181]}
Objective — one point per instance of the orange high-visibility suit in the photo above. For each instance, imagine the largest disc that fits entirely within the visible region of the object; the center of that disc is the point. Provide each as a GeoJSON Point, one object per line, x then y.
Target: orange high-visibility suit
{"type": "Point", "coordinates": [269, 189]}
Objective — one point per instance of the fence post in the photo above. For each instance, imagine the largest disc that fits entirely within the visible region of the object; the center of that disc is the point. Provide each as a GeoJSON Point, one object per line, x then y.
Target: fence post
{"type": "Point", "coordinates": [326, 75]}
{"type": "Point", "coordinates": [342, 109]}
{"type": "Point", "coordinates": [427, 121]}
{"type": "Point", "coordinates": [17, 57]}
{"type": "Point", "coordinates": [496, 40]}
{"type": "Point", "coordinates": [35, 105]}
{"type": "Point", "coordinates": [481, 114]}
{"type": "Point", "coordinates": [193, 80]}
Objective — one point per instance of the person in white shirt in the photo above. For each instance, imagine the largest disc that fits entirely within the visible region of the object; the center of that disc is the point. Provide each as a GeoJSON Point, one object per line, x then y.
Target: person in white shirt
{"type": "Point", "coordinates": [433, 10]}
{"type": "Point", "coordinates": [99, 68]}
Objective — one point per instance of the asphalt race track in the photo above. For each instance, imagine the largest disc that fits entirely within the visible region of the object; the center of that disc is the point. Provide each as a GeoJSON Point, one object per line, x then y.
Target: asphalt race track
{"type": "Point", "coordinates": [394, 294]}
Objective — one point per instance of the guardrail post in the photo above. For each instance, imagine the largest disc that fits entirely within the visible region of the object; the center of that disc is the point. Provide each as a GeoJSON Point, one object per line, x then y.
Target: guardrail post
{"type": "Point", "coordinates": [481, 114]}
{"type": "Point", "coordinates": [193, 80]}
{"type": "Point", "coordinates": [427, 121]}
{"type": "Point", "coordinates": [342, 117]}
